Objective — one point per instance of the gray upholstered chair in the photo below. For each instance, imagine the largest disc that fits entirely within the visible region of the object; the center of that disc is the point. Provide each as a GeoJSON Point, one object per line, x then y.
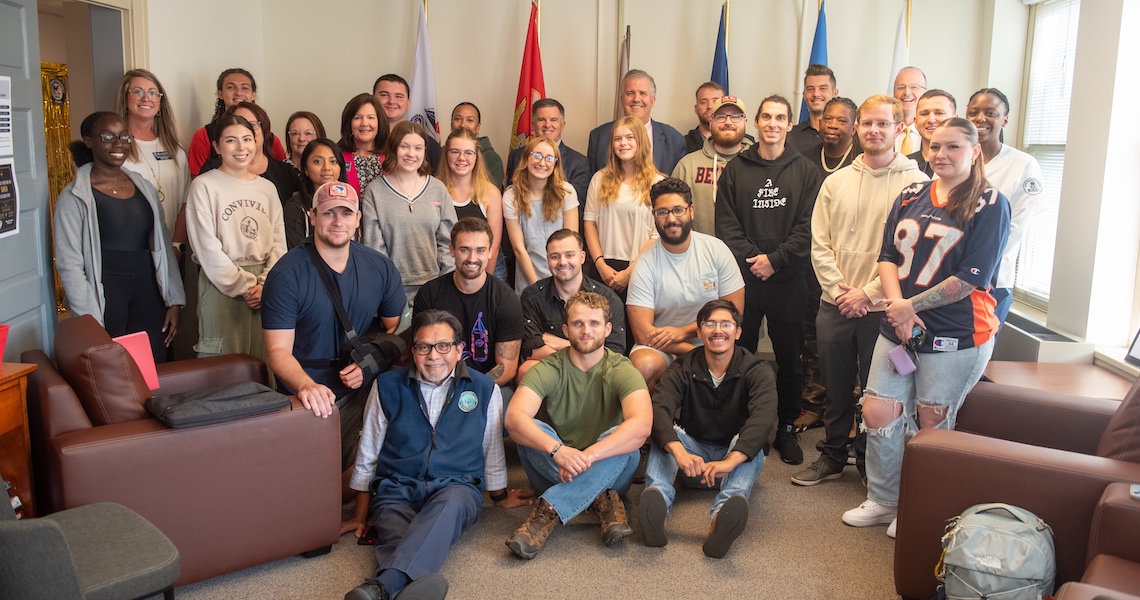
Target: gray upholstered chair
{"type": "Point", "coordinates": [97, 551]}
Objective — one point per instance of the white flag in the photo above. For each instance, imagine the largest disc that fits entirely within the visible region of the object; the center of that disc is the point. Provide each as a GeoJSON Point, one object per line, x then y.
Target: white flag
{"type": "Point", "coordinates": [422, 105]}
{"type": "Point", "coordinates": [900, 58]}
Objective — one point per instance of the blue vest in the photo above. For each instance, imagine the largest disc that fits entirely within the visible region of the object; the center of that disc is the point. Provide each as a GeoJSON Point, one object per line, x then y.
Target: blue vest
{"type": "Point", "coordinates": [415, 459]}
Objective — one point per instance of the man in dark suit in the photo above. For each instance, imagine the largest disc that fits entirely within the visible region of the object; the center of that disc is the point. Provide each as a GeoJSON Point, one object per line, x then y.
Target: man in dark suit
{"type": "Point", "coordinates": [548, 119]}
{"type": "Point", "coordinates": [639, 94]}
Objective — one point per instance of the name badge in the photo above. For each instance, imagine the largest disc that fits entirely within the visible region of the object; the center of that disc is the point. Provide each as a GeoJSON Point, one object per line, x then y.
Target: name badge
{"type": "Point", "coordinates": [468, 401]}
{"type": "Point", "coordinates": [162, 155]}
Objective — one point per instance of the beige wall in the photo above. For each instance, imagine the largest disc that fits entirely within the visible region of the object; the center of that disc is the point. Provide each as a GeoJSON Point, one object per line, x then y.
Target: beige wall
{"type": "Point", "coordinates": [302, 60]}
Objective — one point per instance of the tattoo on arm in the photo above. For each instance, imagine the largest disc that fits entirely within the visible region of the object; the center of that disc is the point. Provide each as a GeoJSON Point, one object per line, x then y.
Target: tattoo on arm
{"type": "Point", "coordinates": [497, 372]}
{"type": "Point", "coordinates": [949, 291]}
{"type": "Point", "coordinates": [507, 350]}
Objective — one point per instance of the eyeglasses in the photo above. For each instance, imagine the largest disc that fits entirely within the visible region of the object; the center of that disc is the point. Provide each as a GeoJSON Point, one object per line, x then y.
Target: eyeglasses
{"type": "Point", "coordinates": [125, 138]}
{"type": "Point", "coordinates": [141, 93]}
{"type": "Point", "coordinates": [256, 125]}
{"type": "Point", "coordinates": [441, 347]}
{"type": "Point", "coordinates": [301, 134]}
{"type": "Point", "coordinates": [738, 118]}
{"type": "Point", "coordinates": [878, 124]}
{"type": "Point", "coordinates": [467, 153]}
{"type": "Point", "coordinates": [914, 87]}
{"type": "Point", "coordinates": [540, 156]}
{"type": "Point", "coordinates": [676, 211]}
{"type": "Point", "coordinates": [723, 325]}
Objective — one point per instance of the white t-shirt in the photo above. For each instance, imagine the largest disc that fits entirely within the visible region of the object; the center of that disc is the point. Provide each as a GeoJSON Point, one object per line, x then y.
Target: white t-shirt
{"type": "Point", "coordinates": [676, 286]}
{"type": "Point", "coordinates": [169, 174]}
{"type": "Point", "coordinates": [625, 225]}
{"type": "Point", "coordinates": [1017, 175]}
{"type": "Point", "coordinates": [535, 230]}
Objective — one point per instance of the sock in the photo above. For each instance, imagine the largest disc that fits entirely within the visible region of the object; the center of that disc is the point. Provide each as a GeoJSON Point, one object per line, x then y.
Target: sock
{"type": "Point", "coordinates": [394, 581]}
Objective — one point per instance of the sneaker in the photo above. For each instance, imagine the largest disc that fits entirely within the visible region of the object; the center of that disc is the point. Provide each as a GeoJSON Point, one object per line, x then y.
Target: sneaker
{"type": "Point", "coordinates": [869, 513]}
{"type": "Point", "coordinates": [651, 514]}
{"type": "Point", "coordinates": [367, 591]}
{"type": "Point", "coordinates": [817, 473]}
{"type": "Point", "coordinates": [788, 445]}
{"type": "Point", "coordinates": [727, 525]}
{"type": "Point", "coordinates": [892, 528]}
{"type": "Point", "coordinates": [529, 538]}
{"type": "Point", "coordinates": [428, 587]}
{"type": "Point", "coordinates": [611, 512]}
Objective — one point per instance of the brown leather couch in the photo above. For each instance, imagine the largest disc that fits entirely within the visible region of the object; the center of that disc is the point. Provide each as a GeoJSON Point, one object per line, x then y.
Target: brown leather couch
{"type": "Point", "coordinates": [229, 496]}
{"type": "Point", "coordinates": [1049, 453]}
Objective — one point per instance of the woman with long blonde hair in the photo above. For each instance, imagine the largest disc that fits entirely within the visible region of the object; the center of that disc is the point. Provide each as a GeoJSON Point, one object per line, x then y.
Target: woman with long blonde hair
{"type": "Point", "coordinates": [618, 219]}
{"type": "Point", "coordinates": [472, 192]}
{"type": "Point", "coordinates": [538, 203]}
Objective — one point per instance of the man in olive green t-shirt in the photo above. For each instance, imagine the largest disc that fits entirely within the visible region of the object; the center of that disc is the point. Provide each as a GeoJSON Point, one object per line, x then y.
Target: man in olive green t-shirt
{"type": "Point", "coordinates": [579, 417]}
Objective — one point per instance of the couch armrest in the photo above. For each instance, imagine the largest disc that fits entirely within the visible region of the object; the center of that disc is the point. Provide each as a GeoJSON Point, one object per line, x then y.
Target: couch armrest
{"type": "Point", "coordinates": [199, 373]}
{"type": "Point", "coordinates": [1115, 524]}
{"type": "Point", "coordinates": [1084, 591]}
{"type": "Point", "coordinates": [229, 496]}
{"type": "Point", "coordinates": [1028, 416]}
{"type": "Point", "coordinates": [945, 472]}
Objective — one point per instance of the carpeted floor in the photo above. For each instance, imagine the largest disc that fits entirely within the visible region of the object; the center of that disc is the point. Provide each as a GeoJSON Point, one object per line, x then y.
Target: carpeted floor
{"type": "Point", "coordinates": [795, 547]}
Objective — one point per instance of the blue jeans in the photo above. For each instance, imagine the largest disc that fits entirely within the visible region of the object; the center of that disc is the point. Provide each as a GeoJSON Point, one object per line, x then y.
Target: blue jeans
{"type": "Point", "coordinates": [662, 469]}
{"type": "Point", "coordinates": [570, 499]}
{"type": "Point", "coordinates": [942, 379]}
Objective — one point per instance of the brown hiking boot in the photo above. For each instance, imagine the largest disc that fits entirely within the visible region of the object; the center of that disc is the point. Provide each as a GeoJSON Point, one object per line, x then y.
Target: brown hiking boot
{"type": "Point", "coordinates": [611, 512]}
{"type": "Point", "coordinates": [531, 535]}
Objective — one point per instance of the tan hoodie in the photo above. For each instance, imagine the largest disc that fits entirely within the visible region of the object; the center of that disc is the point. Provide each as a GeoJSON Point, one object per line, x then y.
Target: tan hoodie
{"type": "Point", "coordinates": [847, 225]}
{"type": "Point", "coordinates": [701, 170]}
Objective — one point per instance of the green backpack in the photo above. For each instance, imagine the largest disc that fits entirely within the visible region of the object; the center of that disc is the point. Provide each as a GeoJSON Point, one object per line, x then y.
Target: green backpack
{"type": "Point", "coordinates": [996, 552]}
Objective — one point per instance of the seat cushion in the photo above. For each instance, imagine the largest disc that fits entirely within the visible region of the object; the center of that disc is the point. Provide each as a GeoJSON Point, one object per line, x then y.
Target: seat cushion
{"type": "Point", "coordinates": [1113, 573]}
{"type": "Point", "coordinates": [116, 552]}
{"type": "Point", "coordinates": [102, 373]}
{"type": "Point", "coordinates": [1121, 439]}
{"type": "Point", "coordinates": [1083, 591]}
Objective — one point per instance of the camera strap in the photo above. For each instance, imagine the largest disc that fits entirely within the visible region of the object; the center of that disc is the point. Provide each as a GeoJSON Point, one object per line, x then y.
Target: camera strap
{"type": "Point", "coordinates": [338, 303]}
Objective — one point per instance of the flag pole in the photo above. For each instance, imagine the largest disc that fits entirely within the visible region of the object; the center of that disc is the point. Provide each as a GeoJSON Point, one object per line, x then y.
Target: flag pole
{"type": "Point", "coordinates": [907, 25]}
{"type": "Point", "coordinates": [727, 20]}
{"type": "Point", "coordinates": [538, 24]}
{"type": "Point", "coordinates": [425, 11]}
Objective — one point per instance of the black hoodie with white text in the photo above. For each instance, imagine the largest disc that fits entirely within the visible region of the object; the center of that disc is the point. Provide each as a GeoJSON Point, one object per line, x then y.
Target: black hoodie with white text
{"type": "Point", "coordinates": [764, 207]}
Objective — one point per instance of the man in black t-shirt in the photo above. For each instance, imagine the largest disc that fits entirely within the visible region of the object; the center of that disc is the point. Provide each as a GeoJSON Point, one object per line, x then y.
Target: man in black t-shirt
{"type": "Point", "coordinates": [487, 308]}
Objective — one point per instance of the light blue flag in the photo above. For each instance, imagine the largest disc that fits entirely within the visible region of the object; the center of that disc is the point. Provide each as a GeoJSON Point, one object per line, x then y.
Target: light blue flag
{"type": "Point", "coordinates": [818, 51]}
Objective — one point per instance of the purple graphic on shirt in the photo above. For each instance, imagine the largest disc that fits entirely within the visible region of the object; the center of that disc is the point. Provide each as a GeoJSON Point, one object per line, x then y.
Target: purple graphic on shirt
{"type": "Point", "coordinates": [479, 340]}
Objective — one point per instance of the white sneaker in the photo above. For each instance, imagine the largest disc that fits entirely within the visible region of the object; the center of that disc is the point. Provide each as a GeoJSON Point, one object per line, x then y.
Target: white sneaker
{"type": "Point", "coordinates": [892, 528]}
{"type": "Point", "coordinates": [869, 513]}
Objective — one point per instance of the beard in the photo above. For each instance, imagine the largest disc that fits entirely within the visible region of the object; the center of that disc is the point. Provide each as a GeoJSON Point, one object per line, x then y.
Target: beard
{"type": "Point", "coordinates": [725, 138]}
{"type": "Point", "coordinates": [583, 348]}
{"type": "Point", "coordinates": [686, 229]}
{"type": "Point", "coordinates": [464, 273]}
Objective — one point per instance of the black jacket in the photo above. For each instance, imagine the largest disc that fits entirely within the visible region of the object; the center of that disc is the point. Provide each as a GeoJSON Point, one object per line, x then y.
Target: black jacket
{"type": "Point", "coordinates": [744, 404]}
{"type": "Point", "coordinates": [764, 207]}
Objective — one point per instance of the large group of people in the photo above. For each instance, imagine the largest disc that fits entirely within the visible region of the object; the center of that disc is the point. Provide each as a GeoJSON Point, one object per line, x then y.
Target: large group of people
{"type": "Point", "coordinates": [629, 323]}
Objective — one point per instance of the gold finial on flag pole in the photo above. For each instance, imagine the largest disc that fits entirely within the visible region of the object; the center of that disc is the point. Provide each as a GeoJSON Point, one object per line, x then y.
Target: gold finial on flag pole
{"type": "Point", "coordinates": [727, 11]}
{"type": "Point", "coordinates": [908, 25]}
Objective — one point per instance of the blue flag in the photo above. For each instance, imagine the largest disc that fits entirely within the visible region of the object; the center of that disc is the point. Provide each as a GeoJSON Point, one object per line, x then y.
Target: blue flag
{"type": "Point", "coordinates": [720, 57]}
{"type": "Point", "coordinates": [818, 51]}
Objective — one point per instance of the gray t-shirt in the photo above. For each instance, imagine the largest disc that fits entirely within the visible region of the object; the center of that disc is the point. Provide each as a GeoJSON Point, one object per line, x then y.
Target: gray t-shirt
{"type": "Point", "coordinates": [676, 286]}
{"type": "Point", "coordinates": [535, 230]}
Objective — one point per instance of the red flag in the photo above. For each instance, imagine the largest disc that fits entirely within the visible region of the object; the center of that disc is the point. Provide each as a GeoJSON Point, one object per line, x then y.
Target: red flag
{"type": "Point", "coordinates": [531, 85]}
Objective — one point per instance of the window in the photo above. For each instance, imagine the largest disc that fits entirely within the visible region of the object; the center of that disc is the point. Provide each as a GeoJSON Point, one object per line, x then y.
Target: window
{"type": "Point", "coordinates": [1046, 127]}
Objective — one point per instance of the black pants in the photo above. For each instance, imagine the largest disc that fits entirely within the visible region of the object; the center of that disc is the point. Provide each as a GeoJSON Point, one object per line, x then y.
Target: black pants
{"type": "Point", "coordinates": [132, 300]}
{"type": "Point", "coordinates": [782, 302]}
{"type": "Point", "coordinates": [845, 349]}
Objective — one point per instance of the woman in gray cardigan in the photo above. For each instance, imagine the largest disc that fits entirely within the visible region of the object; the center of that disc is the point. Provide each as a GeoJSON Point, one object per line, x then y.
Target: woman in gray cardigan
{"type": "Point", "coordinates": [112, 250]}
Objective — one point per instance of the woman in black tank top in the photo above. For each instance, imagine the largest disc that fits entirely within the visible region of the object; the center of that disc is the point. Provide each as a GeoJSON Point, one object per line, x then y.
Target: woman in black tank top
{"type": "Point", "coordinates": [472, 192]}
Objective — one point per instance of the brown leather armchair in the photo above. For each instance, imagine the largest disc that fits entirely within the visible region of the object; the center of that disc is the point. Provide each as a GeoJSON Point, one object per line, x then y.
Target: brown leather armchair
{"type": "Point", "coordinates": [229, 496]}
{"type": "Point", "coordinates": [1049, 453]}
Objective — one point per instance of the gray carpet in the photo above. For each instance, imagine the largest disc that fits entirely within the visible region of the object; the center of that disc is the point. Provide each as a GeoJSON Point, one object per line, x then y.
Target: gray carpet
{"type": "Point", "coordinates": [795, 547]}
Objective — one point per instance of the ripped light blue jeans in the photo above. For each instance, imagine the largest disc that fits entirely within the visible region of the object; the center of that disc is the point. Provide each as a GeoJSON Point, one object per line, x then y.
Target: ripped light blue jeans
{"type": "Point", "coordinates": [942, 379]}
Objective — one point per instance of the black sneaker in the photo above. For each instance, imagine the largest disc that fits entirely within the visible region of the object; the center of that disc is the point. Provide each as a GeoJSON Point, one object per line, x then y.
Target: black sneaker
{"type": "Point", "coordinates": [817, 473]}
{"type": "Point", "coordinates": [788, 445]}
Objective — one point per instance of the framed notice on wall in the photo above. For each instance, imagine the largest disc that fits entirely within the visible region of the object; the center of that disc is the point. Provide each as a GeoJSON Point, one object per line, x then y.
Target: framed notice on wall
{"type": "Point", "coordinates": [9, 199]}
{"type": "Point", "coordinates": [6, 147]}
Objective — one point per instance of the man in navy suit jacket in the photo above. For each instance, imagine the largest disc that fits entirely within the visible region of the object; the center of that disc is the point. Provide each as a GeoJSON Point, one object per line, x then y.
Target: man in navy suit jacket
{"type": "Point", "coordinates": [549, 120]}
{"type": "Point", "coordinates": [639, 94]}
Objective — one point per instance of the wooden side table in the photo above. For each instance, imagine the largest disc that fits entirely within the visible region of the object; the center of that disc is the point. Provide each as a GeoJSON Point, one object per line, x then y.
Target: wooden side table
{"type": "Point", "coordinates": [15, 444]}
{"type": "Point", "coordinates": [1079, 380]}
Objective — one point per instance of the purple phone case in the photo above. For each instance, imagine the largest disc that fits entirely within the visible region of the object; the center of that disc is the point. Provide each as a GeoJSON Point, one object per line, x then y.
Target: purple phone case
{"type": "Point", "coordinates": [901, 361]}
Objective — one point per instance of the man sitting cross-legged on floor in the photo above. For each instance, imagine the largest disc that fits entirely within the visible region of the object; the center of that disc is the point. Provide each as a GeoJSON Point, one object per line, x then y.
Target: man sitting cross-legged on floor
{"type": "Point", "coordinates": [439, 418]}
{"type": "Point", "coordinates": [714, 416]}
{"type": "Point", "coordinates": [579, 416]}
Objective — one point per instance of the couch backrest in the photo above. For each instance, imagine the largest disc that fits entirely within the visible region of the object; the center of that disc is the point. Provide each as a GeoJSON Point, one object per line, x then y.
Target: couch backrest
{"type": "Point", "coordinates": [102, 373]}
{"type": "Point", "coordinates": [1121, 439]}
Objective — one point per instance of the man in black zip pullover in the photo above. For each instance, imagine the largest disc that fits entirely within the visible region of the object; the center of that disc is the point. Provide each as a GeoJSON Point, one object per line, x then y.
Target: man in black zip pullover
{"type": "Point", "coordinates": [763, 213]}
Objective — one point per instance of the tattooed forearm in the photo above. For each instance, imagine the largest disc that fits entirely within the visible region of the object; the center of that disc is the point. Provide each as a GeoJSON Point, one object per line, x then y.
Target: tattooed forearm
{"type": "Point", "coordinates": [949, 291]}
{"type": "Point", "coordinates": [497, 372]}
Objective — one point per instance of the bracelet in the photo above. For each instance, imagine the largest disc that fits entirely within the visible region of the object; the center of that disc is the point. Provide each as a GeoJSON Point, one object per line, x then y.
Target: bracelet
{"type": "Point", "coordinates": [556, 449]}
{"type": "Point", "coordinates": [599, 258]}
{"type": "Point", "coordinates": [498, 497]}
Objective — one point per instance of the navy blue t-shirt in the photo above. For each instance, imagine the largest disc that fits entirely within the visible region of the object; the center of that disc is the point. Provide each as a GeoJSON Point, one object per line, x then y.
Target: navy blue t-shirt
{"type": "Point", "coordinates": [294, 298]}
{"type": "Point", "coordinates": [929, 246]}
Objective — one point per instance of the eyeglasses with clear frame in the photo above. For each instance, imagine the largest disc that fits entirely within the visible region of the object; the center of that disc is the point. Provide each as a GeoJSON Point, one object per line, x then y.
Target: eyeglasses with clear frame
{"type": "Point", "coordinates": [141, 93]}
{"type": "Point", "coordinates": [125, 138]}
{"type": "Point", "coordinates": [467, 153]}
{"type": "Point", "coordinates": [540, 156]}
{"type": "Point", "coordinates": [423, 349]}
{"type": "Point", "coordinates": [728, 326]}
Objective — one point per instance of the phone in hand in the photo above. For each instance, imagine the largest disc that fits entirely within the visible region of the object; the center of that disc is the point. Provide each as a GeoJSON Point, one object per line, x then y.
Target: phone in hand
{"type": "Point", "coordinates": [369, 538]}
